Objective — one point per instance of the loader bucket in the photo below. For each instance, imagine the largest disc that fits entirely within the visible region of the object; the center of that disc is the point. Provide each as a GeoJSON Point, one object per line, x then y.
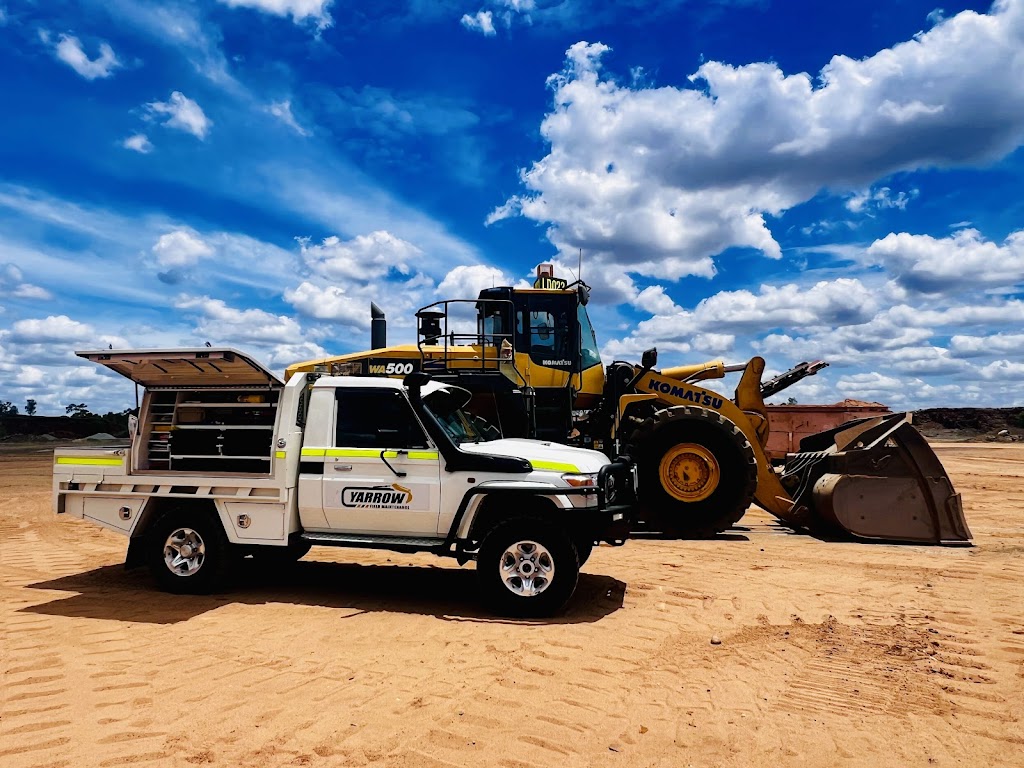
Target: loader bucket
{"type": "Point", "coordinates": [876, 479]}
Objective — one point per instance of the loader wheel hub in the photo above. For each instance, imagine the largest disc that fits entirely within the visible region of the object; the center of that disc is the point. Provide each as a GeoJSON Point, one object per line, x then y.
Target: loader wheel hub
{"type": "Point", "coordinates": [689, 472]}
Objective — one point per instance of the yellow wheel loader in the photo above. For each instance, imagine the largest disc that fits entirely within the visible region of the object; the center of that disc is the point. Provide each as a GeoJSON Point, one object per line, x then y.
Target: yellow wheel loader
{"type": "Point", "coordinates": [529, 357]}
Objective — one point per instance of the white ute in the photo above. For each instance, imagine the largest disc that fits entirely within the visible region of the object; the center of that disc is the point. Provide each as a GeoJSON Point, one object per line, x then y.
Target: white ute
{"type": "Point", "coordinates": [226, 461]}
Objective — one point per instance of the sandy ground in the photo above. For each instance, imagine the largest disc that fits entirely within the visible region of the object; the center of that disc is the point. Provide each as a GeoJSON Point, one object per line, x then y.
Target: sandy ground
{"type": "Point", "coordinates": [830, 654]}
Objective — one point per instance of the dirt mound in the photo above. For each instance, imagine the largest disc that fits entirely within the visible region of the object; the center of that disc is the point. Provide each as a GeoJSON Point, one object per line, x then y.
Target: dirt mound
{"type": "Point", "coordinates": [970, 423]}
{"type": "Point", "coordinates": [851, 403]}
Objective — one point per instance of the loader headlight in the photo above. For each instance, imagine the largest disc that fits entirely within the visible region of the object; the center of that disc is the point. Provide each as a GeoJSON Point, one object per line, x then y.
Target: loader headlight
{"type": "Point", "coordinates": [346, 369]}
{"type": "Point", "coordinates": [581, 480]}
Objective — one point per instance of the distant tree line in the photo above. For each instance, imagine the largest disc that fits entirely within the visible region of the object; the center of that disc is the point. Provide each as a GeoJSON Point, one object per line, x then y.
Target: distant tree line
{"type": "Point", "coordinates": [78, 421]}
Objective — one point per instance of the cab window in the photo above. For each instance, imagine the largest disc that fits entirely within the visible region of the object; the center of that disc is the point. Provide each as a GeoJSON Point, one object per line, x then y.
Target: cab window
{"type": "Point", "coordinates": [376, 418]}
{"type": "Point", "coordinates": [588, 340]}
{"type": "Point", "coordinates": [546, 329]}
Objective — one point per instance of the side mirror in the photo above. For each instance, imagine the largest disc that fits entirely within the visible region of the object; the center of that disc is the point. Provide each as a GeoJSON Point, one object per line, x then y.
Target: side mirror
{"type": "Point", "coordinates": [133, 426]}
{"type": "Point", "coordinates": [583, 291]}
{"type": "Point", "coordinates": [416, 379]}
{"type": "Point", "coordinates": [649, 359]}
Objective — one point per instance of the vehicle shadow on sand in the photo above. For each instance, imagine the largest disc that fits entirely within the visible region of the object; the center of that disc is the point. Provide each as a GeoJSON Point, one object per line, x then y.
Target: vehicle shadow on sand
{"type": "Point", "coordinates": [449, 594]}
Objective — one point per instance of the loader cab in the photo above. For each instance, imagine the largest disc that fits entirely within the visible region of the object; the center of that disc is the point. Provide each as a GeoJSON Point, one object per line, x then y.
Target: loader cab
{"type": "Point", "coordinates": [550, 326]}
{"type": "Point", "coordinates": [554, 348]}
{"type": "Point", "coordinates": [532, 361]}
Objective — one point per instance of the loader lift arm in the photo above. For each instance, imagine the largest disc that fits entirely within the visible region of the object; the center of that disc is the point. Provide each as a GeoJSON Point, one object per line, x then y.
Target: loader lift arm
{"type": "Point", "coordinates": [785, 380]}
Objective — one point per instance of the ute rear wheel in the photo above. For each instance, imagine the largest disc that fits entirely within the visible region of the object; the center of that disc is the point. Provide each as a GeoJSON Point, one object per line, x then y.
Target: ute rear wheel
{"type": "Point", "coordinates": [187, 552]}
{"type": "Point", "coordinates": [698, 472]}
{"type": "Point", "coordinates": [527, 567]}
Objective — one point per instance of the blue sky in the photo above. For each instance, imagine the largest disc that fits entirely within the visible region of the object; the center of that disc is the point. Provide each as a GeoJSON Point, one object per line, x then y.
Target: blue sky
{"type": "Point", "coordinates": [792, 179]}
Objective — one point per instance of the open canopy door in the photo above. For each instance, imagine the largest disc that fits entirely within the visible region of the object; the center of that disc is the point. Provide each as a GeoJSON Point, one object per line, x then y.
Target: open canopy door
{"type": "Point", "coordinates": [185, 368]}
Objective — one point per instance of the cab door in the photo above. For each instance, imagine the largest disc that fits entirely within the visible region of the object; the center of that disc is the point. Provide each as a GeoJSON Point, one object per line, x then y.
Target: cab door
{"type": "Point", "coordinates": [382, 475]}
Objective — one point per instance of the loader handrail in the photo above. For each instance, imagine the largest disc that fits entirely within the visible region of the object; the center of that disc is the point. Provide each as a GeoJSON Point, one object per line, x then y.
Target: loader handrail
{"type": "Point", "coordinates": [442, 334]}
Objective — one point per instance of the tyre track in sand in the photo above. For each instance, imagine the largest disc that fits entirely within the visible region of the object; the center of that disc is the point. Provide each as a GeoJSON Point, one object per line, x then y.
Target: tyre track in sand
{"type": "Point", "coordinates": [864, 654]}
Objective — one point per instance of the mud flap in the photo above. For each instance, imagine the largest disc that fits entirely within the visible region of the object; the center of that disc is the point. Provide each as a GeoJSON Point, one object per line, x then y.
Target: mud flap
{"type": "Point", "coordinates": [877, 479]}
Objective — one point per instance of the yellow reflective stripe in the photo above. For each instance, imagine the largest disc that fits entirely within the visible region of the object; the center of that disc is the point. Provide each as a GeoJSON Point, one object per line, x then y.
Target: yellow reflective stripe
{"type": "Point", "coordinates": [368, 453]}
{"type": "Point", "coordinates": [90, 461]}
{"type": "Point", "coordinates": [280, 454]}
{"type": "Point", "coordinates": [423, 455]}
{"type": "Point", "coordinates": [554, 466]}
{"type": "Point", "coordinates": [360, 453]}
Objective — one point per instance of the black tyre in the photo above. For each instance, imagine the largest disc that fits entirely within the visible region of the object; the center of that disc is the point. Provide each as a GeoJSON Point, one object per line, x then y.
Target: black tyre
{"type": "Point", "coordinates": [698, 472]}
{"type": "Point", "coordinates": [187, 552]}
{"type": "Point", "coordinates": [583, 551]}
{"type": "Point", "coordinates": [527, 567]}
{"type": "Point", "coordinates": [281, 557]}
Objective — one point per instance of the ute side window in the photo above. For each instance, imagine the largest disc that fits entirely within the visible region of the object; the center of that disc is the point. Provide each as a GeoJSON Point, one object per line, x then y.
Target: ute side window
{"type": "Point", "coordinates": [376, 418]}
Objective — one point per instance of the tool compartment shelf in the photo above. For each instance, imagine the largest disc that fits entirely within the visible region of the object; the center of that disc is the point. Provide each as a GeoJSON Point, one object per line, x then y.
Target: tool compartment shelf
{"type": "Point", "coordinates": [226, 430]}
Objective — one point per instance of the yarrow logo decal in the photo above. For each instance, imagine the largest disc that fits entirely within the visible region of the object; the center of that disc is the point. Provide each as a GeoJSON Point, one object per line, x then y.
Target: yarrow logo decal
{"type": "Point", "coordinates": [697, 398]}
{"type": "Point", "coordinates": [392, 496]}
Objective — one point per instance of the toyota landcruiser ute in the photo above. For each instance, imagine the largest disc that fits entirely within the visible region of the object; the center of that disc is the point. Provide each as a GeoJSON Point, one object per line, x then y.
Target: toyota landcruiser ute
{"type": "Point", "coordinates": [225, 461]}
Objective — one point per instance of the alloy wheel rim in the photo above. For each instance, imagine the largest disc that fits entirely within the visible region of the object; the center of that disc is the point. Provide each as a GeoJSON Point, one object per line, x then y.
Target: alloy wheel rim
{"type": "Point", "coordinates": [526, 568]}
{"type": "Point", "coordinates": [184, 552]}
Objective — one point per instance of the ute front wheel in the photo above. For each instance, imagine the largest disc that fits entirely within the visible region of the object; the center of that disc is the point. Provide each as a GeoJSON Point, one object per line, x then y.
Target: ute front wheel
{"type": "Point", "coordinates": [527, 568]}
{"type": "Point", "coordinates": [698, 472]}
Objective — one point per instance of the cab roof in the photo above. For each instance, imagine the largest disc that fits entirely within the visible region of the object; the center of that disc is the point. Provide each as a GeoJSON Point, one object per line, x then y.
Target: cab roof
{"type": "Point", "coordinates": [377, 382]}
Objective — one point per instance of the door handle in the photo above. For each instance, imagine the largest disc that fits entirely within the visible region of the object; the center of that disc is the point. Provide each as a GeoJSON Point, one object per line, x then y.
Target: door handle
{"type": "Point", "coordinates": [342, 467]}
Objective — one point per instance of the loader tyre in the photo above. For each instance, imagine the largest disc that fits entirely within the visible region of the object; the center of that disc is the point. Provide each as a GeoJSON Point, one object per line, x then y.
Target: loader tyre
{"type": "Point", "coordinates": [187, 552]}
{"type": "Point", "coordinates": [527, 567]}
{"type": "Point", "coordinates": [698, 472]}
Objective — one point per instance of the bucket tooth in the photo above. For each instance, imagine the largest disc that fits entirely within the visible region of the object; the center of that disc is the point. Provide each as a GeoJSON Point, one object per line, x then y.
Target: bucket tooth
{"type": "Point", "coordinates": [877, 479]}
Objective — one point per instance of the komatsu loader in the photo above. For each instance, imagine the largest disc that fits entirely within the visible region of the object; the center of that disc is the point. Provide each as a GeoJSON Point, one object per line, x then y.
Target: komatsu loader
{"type": "Point", "coordinates": [532, 364]}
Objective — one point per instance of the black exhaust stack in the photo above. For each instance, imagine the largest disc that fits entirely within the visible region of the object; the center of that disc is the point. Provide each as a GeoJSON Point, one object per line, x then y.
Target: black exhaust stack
{"type": "Point", "coordinates": [378, 327]}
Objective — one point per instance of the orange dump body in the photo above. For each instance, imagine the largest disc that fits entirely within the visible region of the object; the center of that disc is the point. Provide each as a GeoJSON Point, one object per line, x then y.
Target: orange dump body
{"type": "Point", "coordinates": [792, 423]}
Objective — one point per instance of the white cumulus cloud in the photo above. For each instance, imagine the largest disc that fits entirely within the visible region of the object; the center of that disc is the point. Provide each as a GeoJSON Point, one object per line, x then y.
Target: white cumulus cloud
{"type": "Point", "coordinates": [979, 346]}
{"type": "Point", "coordinates": [879, 199]}
{"type": "Point", "coordinates": [299, 10]}
{"type": "Point", "coordinates": [1003, 370]}
{"type": "Point", "coordinates": [330, 302]}
{"type": "Point", "coordinates": [182, 113]}
{"type": "Point", "coordinates": [660, 180]}
{"type": "Point", "coordinates": [466, 281]}
{"type": "Point", "coordinates": [138, 142]}
{"type": "Point", "coordinates": [181, 248]}
{"type": "Point", "coordinates": [362, 257]}
{"type": "Point", "coordinates": [481, 21]}
{"type": "Point", "coordinates": [219, 323]}
{"type": "Point", "coordinates": [13, 284]}
{"type": "Point", "coordinates": [69, 50]}
{"type": "Point", "coordinates": [963, 260]}
{"type": "Point", "coordinates": [53, 329]}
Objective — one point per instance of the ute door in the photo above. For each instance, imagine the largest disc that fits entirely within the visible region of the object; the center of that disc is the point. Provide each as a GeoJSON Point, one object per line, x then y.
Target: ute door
{"type": "Point", "coordinates": [361, 493]}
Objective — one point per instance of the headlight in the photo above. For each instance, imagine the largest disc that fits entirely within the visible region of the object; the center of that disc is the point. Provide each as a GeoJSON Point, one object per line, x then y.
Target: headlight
{"type": "Point", "coordinates": [581, 480]}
